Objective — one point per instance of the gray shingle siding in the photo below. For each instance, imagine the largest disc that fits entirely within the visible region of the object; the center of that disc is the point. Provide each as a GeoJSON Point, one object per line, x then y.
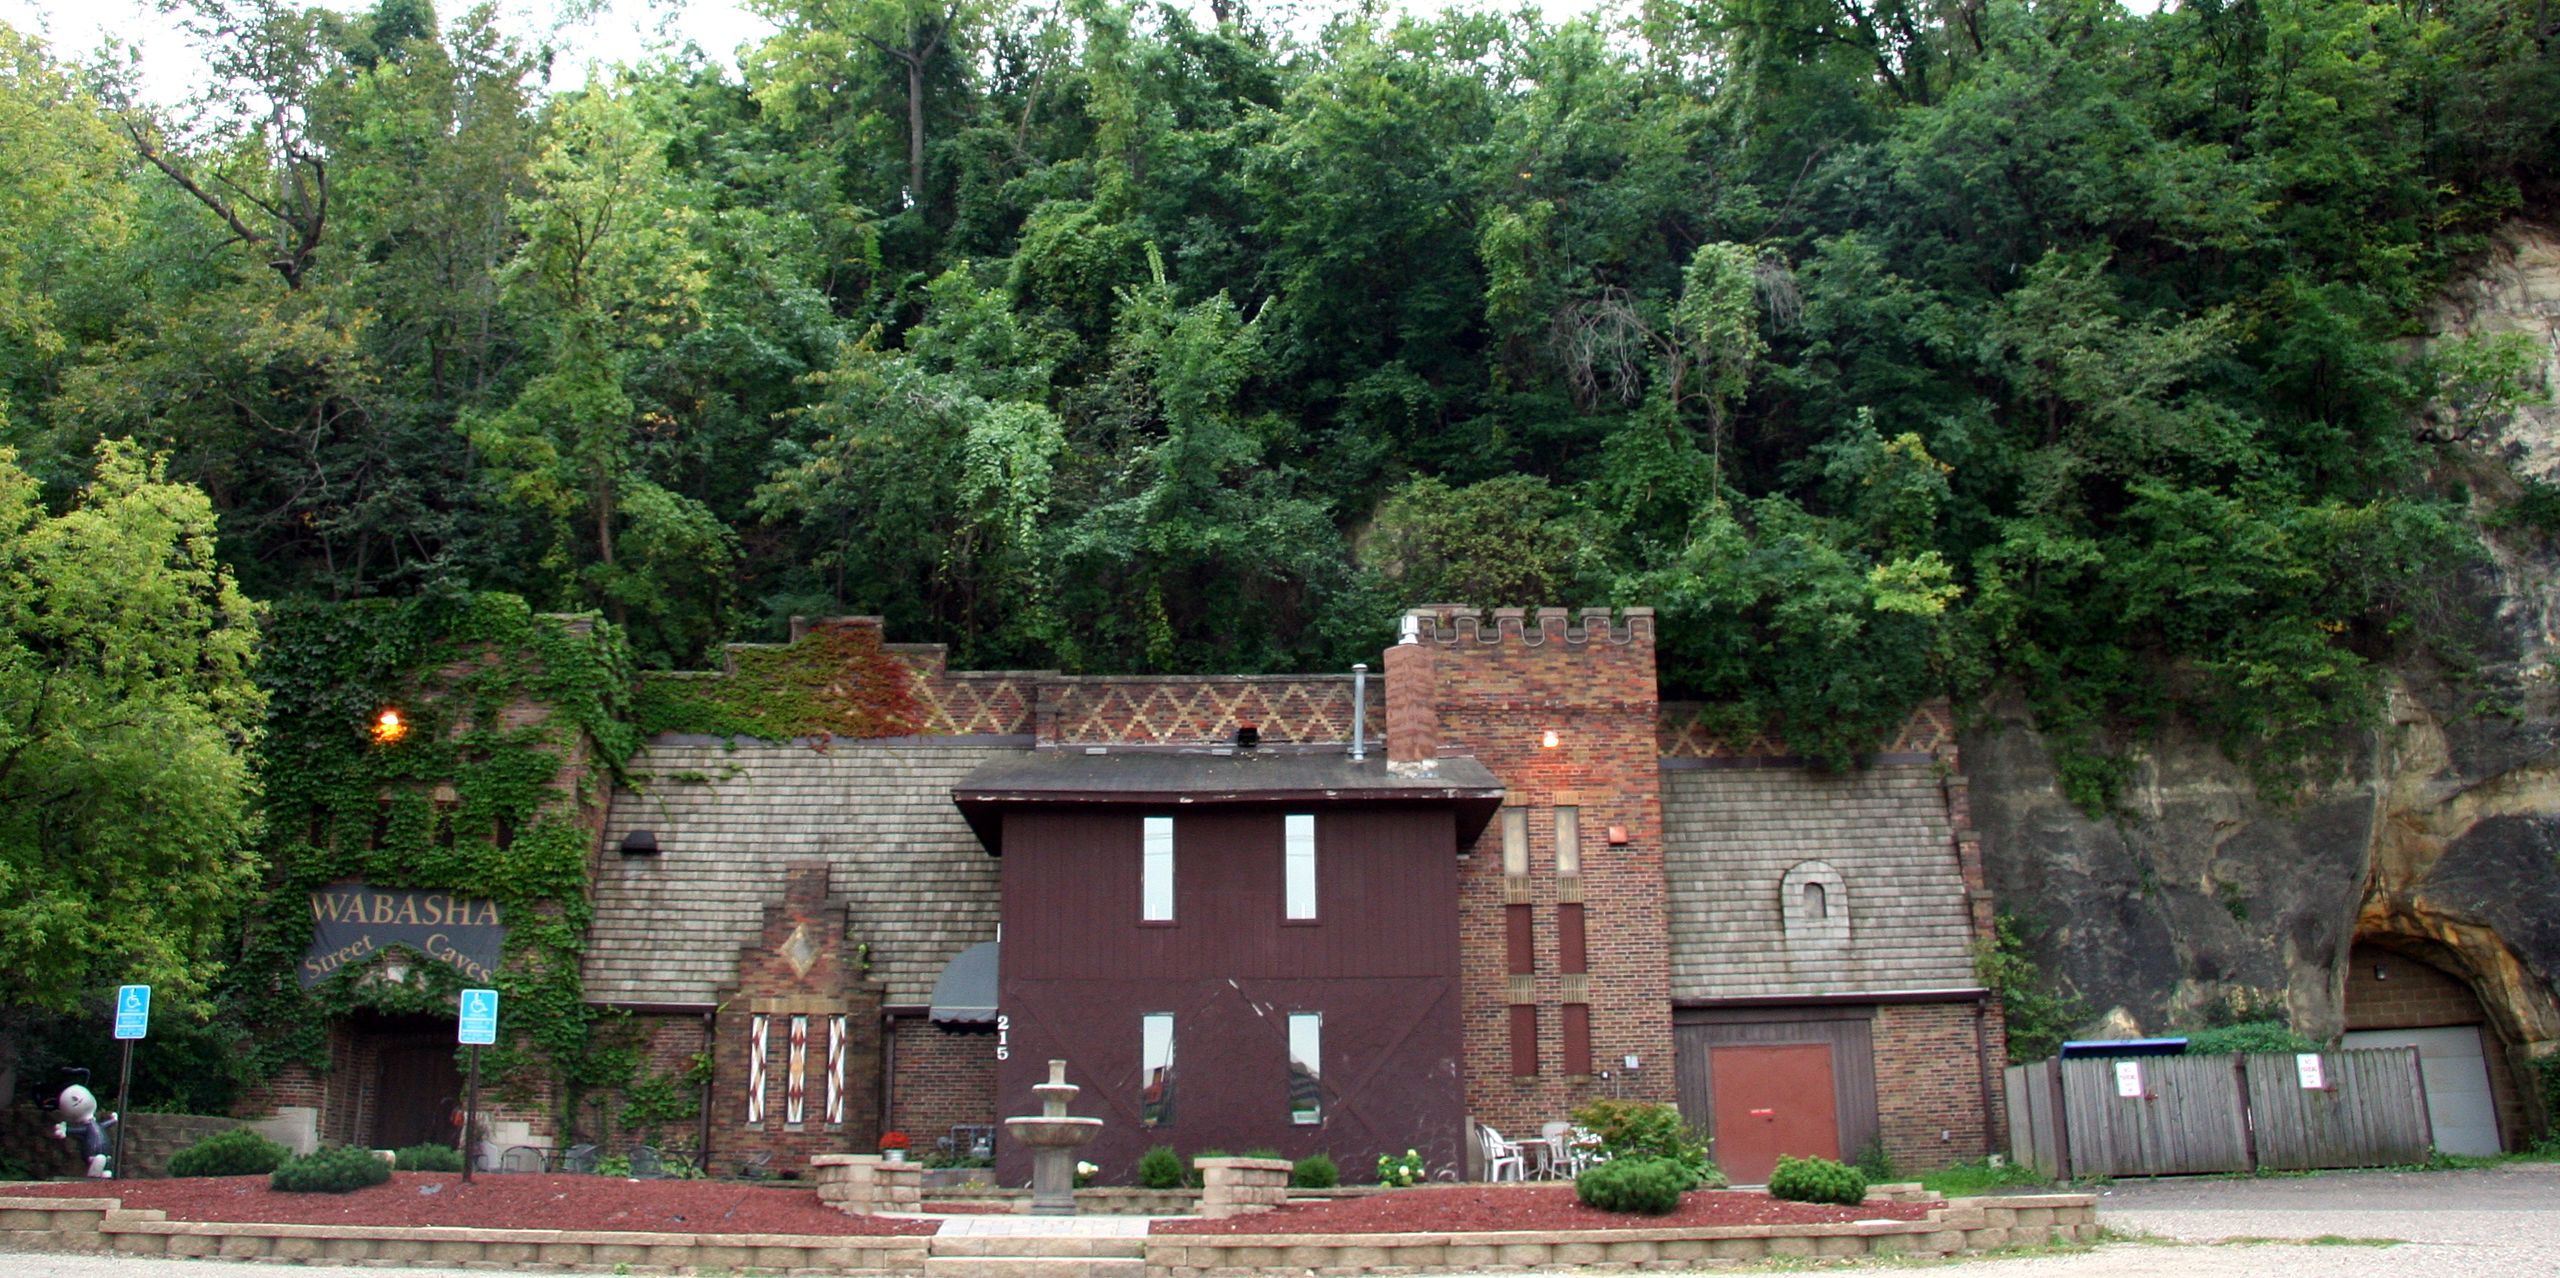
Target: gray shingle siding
{"type": "Point", "coordinates": [667, 928]}
{"type": "Point", "coordinates": [1730, 835]}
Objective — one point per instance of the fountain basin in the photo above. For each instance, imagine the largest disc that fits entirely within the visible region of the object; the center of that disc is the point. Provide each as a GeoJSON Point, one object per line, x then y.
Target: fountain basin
{"type": "Point", "coordinates": [1065, 1132]}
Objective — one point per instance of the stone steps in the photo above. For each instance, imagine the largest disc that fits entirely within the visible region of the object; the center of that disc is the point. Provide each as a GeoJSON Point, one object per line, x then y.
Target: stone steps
{"type": "Point", "coordinates": [1035, 1246]}
{"type": "Point", "coordinates": [1034, 1266]}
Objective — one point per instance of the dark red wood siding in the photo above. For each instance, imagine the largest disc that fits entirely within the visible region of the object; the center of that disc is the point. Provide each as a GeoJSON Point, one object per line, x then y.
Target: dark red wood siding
{"type": "Point", "coordinates": [1380, 964]}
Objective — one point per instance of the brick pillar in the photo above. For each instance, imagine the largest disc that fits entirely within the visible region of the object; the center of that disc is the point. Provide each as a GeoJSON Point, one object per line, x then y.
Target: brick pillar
{"type": "Point", "coordinates": [1497, 690]}
{"type": "Point", "coordinates": [796, 975]}
{"type": "Point", "coordinates": [1413, 711]}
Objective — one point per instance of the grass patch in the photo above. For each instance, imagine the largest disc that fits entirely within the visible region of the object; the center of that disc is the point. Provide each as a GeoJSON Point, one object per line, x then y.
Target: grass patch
{"type": "Point", "coordinates": [2323, 1240]}
{"type": "Point", "coordinates": [1968, 1180]}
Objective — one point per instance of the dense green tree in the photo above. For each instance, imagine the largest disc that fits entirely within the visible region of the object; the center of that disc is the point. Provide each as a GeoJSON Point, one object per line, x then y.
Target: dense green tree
{"type": "Point", "coordinates": [127, 717]}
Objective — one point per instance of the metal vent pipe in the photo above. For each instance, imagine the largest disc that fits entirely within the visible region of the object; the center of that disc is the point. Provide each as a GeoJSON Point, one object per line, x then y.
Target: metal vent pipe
{"type": "Point", "coordinates": [1359, 710]}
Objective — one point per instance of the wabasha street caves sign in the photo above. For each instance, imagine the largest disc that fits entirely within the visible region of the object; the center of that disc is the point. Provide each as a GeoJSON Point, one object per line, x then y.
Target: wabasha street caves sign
{"type": "Point", "coordinates": [353, 922]}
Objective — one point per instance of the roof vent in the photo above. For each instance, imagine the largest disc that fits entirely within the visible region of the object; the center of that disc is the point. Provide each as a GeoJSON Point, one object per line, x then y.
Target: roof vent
{"type": "Point", "coordinates": [640, 843]}
{"type": "Point", "coordinates": [1248, 736]}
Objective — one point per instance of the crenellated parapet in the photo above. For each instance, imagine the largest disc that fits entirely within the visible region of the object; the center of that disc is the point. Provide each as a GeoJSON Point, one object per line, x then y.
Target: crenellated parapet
{"type": "Point", "coordinates": [1462, 624]}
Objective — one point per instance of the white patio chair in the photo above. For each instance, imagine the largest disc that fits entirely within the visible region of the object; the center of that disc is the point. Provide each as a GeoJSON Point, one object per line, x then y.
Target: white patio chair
{"type": "Point", "coordinates": [1500, 1154]}
{"type": "Point", "coordinates": [1556, 1153]}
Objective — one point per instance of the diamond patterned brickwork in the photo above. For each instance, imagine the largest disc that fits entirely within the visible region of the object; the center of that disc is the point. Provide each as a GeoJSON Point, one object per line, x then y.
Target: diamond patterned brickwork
{"type": "Point", "coordinates": [1196, 710]}
{"type": "Point", "coordinates": [1685, 732]}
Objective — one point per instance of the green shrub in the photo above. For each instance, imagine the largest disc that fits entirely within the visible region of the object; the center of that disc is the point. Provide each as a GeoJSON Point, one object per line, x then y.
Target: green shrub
{"type": "Point", "coordinates": [1643, 1186]}
{"type": "Point", "coordinates": [1638, 1129]}
{"type": "Point", "coordinates": [331, 1171]}
{"type": "Point", "coordinates": [427, 1158]}
{"type": "Point", "coordinates": [1258, 1153]}
{"type": "Point", "coordinates": [1160, 1168]}
{"type": "Point", "coordinates": [238, 1152]}
{"type": "Point", "coordinates": [1874, 1162]}
{"type": "Point", "coordinates": [1817, 1180]}
{"type": "Point", "coordinates": [2248, 1036]}
{"type": "Point", "coordinates": [1315, 1171]}
{"type": "Point", "coordinates": [1401, 1172]}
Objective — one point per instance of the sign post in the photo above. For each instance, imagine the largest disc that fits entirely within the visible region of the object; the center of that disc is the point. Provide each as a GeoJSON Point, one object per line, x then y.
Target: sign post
{"type": "Point", "coordinates": [133, 1021]}
{"type": "Point", "coordinates": [478, 1025]}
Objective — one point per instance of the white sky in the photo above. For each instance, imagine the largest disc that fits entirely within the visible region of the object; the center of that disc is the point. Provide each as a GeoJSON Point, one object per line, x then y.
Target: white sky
{"type": "Point", "coordinates": [621, 31]}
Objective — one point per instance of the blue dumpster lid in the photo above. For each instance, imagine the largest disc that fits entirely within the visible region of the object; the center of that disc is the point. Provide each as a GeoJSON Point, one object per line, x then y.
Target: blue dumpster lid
{"type": "Point", "coordinates": [2124, 1047]}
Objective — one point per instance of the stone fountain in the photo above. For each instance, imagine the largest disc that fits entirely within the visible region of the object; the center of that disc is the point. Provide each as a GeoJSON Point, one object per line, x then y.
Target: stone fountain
{"type": "Point", "coordinates": [1054, 1137]}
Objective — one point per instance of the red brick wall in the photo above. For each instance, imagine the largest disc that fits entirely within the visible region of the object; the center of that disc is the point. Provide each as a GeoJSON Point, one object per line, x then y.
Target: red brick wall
{"type": "Point", "coordinates": [772, 984]}
{"type": "Point", "coordinates": [940, 1080]}
{"type": "Point", "coordinates": [1497, 688]}
{"type": "Point", "coordinates": [1930, 1107]}
{"type": "Point", "coordinates": [2417, 994]}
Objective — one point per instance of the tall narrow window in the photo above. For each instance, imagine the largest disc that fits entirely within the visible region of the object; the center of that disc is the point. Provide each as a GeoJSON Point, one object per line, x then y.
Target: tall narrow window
{"type": "Point", "coordinates": [1155, 1057]}
{"type": "Point", "coordinates": [1524, 1039]}
{"type": "Point", "coordinates": [1299, 864]}
{"type": "Point", "coordinates": [1577, 1038]}
{"type": "Point", "coordinates": [1306, 1067]}
{"type": "Point", "coordinates": [1515, 842]}
{"type": "Point", "coordinates": [1568, 841]}
{"type": "Point", "coordinates": [1817, 903]}
{"type": "Point", "coordinates": [1520, 941]}
{"type": "Point", "coordinates": [1156, 890]}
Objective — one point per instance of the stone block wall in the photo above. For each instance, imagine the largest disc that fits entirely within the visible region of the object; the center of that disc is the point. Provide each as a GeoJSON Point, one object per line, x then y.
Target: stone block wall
{"type": "Point", "coordinates": [1493, 690]}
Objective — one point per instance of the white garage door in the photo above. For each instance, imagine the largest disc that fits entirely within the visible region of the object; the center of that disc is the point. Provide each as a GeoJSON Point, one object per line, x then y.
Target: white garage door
{"type": "Point", "coordinates": [2457, 1077]}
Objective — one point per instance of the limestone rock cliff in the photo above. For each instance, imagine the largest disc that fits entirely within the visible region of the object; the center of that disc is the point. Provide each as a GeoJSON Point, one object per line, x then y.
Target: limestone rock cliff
{"type": "Point", "coordinates": [2441, 839]}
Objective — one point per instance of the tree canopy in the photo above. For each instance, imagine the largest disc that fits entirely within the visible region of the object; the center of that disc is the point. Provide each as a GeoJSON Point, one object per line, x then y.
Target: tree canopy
{"type": "Point", "coordinates": [1886, 348]}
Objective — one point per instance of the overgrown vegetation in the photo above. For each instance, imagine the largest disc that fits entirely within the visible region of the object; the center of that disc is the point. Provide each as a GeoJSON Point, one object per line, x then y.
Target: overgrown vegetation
{"type": "Point", "coordinates": [2248, 1036]}
{"type": "Point", "coordinates": [2039, 1017]}
{"type": "Point", "coordinates": [431, 1158]}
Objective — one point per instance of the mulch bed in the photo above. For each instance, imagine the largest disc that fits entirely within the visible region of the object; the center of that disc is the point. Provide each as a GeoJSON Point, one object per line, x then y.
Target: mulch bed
{"type": "Point", "coordinates": [1494, 1208]}
{"type": "Point", "coordinates": [499, 1201]}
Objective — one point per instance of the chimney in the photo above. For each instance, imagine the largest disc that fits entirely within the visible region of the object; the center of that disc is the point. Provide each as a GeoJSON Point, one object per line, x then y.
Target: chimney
{"type": "Point", "coordinates": [1413, 710]}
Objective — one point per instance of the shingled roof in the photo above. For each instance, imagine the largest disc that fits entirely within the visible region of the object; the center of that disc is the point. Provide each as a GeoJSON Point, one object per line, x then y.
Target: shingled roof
{"type": "Point", "coordinates": [919, 887]}
{"type": "Point", "coordinates": [1731, 835]}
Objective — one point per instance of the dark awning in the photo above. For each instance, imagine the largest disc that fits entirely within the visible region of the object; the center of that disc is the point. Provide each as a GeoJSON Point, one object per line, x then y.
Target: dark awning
{"type": "Point", "coordinates": [965, 994]}
{"type": "Point", "coordinates": [1196, 778]}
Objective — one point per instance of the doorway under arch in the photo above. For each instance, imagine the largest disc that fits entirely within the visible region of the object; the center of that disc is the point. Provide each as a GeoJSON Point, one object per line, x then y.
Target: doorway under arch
{"type": "Point", "coordinates": [2399, 994]}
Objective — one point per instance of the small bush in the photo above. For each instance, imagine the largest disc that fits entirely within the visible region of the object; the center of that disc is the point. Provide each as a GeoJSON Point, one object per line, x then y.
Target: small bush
{"type": "Point", "coordinates": [1636, 1129]}
{"type": "Point", "coordinates": [331, 1171]}
{"type": "Point", "coordinates": [1399, 1173]}
{"type": "Point", "coordinates": [238, 1152]}
{"type": "Point", "coordinates": [1315, 1171]}
{"type": "Point", "coordinates": [2248, 1036]}
{"type": "Point", "coordinates": [1160, 1168]}
{"type": "Point", "coordinates": [427, 1158]}
{"type": "Point", "coordinates": [1875, 1162]}
{"type": "Point", "coordinates": [1642, 1186]}
{"type": "Point", "coordinates": [1817, 1180]}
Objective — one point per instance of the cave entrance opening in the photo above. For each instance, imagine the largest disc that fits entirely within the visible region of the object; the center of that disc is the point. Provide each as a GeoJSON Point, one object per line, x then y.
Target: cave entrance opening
{"type": "Point", "coordinates": [2407, 992]}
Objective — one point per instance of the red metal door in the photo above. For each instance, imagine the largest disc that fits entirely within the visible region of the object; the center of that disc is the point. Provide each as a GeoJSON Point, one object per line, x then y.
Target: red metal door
{"type": "Point", "coordinates": [1772, 1100]}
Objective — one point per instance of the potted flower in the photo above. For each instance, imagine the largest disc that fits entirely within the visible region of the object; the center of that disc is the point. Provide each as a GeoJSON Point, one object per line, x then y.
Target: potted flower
{"type": "Point", "coordinates": [893, 1146]}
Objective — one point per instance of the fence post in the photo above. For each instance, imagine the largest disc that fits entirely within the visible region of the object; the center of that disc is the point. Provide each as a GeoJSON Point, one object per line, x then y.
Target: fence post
{"type": "Point", "coordinates": [2061, 1117]}
{"type": "Point", "coordinates": [2248, 1115]}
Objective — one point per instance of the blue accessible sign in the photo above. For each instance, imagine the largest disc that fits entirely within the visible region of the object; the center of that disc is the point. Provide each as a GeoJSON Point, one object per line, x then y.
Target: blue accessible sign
{"type": "Point", "coordinates": [133, 1011]}
{"type": "Point", "coordinates": [479, 1018]}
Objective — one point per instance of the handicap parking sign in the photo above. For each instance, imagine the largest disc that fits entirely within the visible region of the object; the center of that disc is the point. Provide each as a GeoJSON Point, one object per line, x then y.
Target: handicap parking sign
{"type": "Point", "coordinates": [479, 1018]}
{"type": "Point", "coordinates": [133, 1011]}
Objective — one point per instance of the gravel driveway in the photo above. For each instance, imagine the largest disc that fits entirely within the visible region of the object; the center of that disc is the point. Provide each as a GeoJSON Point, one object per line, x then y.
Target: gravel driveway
{"type": "Point", "coordinates": [2502, 1222]}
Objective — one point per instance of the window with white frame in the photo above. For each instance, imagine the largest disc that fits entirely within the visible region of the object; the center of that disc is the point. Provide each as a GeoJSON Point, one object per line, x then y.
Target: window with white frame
{"type": "Point", "coordinates": [1298, 862]}
{"type": "Point", "coordinates": [1155, 892]}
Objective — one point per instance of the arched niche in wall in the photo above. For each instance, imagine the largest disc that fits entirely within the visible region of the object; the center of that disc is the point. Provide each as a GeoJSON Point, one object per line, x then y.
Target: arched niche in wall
{"type": "Point", "coordinates": [1813, 900]}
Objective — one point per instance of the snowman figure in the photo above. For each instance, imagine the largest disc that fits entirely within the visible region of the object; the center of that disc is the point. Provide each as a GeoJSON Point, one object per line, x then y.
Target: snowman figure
{"type": "Point", "coordinates": [80, 1123]}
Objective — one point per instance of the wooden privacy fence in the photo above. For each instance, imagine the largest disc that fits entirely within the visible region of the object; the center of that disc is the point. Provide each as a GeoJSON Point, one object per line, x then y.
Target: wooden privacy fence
{"type": "Point", "coordinates": [2200, 1114]}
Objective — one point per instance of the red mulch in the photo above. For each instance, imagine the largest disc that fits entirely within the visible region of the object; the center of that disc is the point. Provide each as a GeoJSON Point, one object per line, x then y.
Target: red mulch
{"type": "Point", "coordinates": [1491, 1208]}
{"type": "Point", "coordinates": [505, 1201]}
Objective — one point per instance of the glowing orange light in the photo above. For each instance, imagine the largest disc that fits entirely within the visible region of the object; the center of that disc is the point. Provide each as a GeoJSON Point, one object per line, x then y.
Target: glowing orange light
{"type": "Point", "coordinates": [388, 728]}
{"type": "Point", "coordinates": [1550, 741]}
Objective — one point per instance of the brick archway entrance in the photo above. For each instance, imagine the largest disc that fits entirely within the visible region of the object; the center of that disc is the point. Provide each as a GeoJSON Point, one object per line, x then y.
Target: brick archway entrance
{"type": "Point", "coordinates": [2400, 994]}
